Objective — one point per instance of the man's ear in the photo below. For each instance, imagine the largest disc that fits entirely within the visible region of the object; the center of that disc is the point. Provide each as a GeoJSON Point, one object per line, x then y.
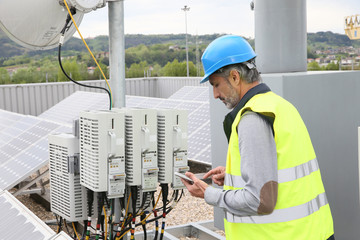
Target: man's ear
{"type": "Point", "coordinates": [234, 78]}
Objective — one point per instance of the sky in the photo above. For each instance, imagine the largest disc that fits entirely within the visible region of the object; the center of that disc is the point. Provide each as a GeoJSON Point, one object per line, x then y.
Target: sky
{"type": "Point", "coordinates": [210, 16]}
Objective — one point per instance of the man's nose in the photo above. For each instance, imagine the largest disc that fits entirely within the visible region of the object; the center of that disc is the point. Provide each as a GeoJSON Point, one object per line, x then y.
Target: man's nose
{"type": "Point", "coordinates": [216, 93]}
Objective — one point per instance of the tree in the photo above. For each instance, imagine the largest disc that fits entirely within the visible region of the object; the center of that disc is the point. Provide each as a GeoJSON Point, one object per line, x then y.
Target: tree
{"type": "Point", "coordinates": [313, 66]}
{"type": "Point", "coordinates": [20, 76]}
{"type": "Point", "coordinates": [176, 68]}
{"type": "Point", "coordinates": [156, 72]}
{"type": "Point", "coordinates": [71, 69]}
{"type": "Point", "coordinates": [49, 71]}
{"type": "Point", "coordinates": [97, 73]}
{"type": "Point", "coordinates": [4, 76]}
{"type": "Point", "coordinates": [311, 54]}
{"type": "Point", "coordinates": [332, 66]}
{"type": "Point", "coordinates": [137, 69]}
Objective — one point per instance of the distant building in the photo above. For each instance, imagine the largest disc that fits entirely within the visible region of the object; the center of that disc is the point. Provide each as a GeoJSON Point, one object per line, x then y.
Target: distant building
{"type": "Point", "coordinates": [346, 61]}
{"type": "Point", "coordinates": [102, 55]}
{"type": "Point", "coordinates": [91, 70]}
{"type": "Point", "coordinates": [174, 48]}
{"type": "Point", "coordinates": [12, 70]}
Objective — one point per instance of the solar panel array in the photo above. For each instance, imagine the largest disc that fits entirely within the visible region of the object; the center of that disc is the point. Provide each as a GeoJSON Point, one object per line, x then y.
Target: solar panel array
{"type": "Point", "coordinates": [193, 99]}
{"type": "Point", "coordinates": [23, 146]}
{"type": "Point", "coordinates": [68, 109]}
{"type": "Point", "coordinates": [18, 222]}
{"type": "Point", "coordinates": [192, 93]}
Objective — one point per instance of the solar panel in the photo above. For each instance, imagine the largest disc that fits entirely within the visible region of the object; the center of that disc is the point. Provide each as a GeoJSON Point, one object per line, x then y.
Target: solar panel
{"type": "Point", "coordinates": [18, 222]}
{"type": "Point", "coordinates": [192, 93]}
{"type": "Point", "coordinates": [23, 146]}
{"type": "Point", "coordinates": [68, 109]}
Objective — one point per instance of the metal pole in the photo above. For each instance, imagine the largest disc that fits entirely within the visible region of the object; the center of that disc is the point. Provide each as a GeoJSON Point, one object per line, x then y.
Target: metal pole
{"type": "Point", "coordinates": [117, 64]}
{"type": "Point", "coordinates": [185, 9]}
{"type": "Point", "coordinates": [117, 52]}
{"type": "Point", "coordinates": [280, 36]}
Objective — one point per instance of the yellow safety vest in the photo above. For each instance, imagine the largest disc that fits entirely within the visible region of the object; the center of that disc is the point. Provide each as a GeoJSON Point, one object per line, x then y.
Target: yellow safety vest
{"type": "Point", "coordinates": [302, 211]}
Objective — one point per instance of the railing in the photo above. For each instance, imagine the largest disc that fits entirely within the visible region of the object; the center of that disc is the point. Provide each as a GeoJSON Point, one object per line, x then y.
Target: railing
{"type": "Point", "coordinates": [33, 99]}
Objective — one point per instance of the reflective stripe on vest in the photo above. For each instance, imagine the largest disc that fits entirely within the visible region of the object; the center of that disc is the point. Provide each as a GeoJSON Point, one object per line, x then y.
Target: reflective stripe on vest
{"type": "Point", "coordinates": [283, 215]}
{"type": "Point", "coordinates": [284, 175]}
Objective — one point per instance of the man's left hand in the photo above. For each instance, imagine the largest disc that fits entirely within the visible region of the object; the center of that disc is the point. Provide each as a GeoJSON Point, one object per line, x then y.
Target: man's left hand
{"type": "Point", "coordinates": [198, 188]}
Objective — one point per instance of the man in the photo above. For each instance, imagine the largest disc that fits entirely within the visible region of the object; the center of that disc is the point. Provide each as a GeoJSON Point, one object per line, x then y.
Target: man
{"type": "Point", "coordinates": [272, 182]}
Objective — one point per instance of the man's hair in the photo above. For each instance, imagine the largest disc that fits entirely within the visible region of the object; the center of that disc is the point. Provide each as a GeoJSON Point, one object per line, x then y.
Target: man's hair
{"type": "Point", "coordinates": [247, 71]}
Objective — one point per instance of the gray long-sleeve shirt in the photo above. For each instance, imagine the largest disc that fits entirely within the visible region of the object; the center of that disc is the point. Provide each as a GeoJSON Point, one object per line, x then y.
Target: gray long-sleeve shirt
{"type": "Point", "coordinates": [258, 170]}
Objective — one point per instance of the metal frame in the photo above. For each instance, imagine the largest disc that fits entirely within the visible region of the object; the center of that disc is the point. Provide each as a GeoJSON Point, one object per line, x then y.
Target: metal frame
{"type": "Point", "coordinates": [201, 230]}
{"type": "Point", "coordinates": [38, 179]}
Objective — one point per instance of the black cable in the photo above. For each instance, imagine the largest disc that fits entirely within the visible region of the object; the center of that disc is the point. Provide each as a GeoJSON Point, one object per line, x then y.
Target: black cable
{"type": "Point", "coordinates": [67, 229]}
{"type": "Point", "coordinates": [143, 224]}
{"type": "Point", "coordinates": [111, 228]}
{"type": "Point", "coordinates": [68, 20]}
{"type": "Point", "coordinates": [155, 215]}
{"type": "Point", "coordinates": [99, 217]}
{"type": "Point", "coordinates": [147, 221]}
{"type": "Point", "coordinates": [80, 84]}
{"type": "Point", "coordinates": [165, 193]}
{"type": "Point", "coordinates": [150, 201]}
{"type": "Point", "coordinates": [143, 203]}
{"type": "Point", "coordinates": [84, 230]}
{"type": "Point", "coordinates": [134, 196]}
{"type": "Point", "coordinates": [90, 200]}
{"type": "Point", "coordinates": [65, 28]}
{"type": "Point", "coordinates": [102, 222]}
{"type": "Point", "coordinates": [181, 195]}
{"type": "Point", "coordinates": [58, 224]}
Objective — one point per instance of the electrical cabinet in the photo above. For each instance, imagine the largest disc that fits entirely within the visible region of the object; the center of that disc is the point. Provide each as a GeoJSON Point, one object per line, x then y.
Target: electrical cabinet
{"type": "Point", "coordinates": [172, 145]}
{"type": "Point", "coordinates": [67, 196]}
{"type": "Point", "coordinates": [102, 151]}
{"type": "Point", "coordinates": [141, 148]}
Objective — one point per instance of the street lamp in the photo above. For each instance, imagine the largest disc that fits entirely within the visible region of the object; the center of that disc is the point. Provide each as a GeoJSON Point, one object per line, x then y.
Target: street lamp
{"type": "Point", "coordinates": [185, 9]}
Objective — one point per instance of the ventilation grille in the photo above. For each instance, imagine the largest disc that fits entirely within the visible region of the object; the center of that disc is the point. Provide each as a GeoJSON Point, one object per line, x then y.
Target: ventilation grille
{"type": "Point", "coordinates": [66, 192]}
{"type": "Point", "coordinates": [89, 153]}
{"type": "Point", "coordinates": [129, 149]}
{"type": "Point", "coordinates": [161, 147]}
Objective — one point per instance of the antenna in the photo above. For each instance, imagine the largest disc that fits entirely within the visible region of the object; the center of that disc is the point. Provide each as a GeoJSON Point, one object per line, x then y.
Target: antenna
{"type": "Point", "coordinates": [37, 24]}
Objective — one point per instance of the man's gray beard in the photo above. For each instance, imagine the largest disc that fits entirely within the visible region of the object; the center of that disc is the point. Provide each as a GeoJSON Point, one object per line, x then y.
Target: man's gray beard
{"type": "Point", "coordinates": [231, 102]}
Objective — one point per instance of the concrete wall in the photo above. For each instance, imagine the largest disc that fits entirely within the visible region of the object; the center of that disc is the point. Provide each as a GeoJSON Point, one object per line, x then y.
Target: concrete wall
{"type": "Point", "coordinates": [329, 105]}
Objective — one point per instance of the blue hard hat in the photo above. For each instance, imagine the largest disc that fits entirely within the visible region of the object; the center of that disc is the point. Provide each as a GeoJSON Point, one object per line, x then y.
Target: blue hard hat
{"type": "Point", "coordinates": [223, 51]}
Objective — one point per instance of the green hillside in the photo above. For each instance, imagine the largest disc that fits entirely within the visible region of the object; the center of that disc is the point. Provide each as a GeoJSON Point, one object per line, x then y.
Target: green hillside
{"type": "Point", "coordinates": [323, 40]}
{"type": "Point", "coordinates": [164, 54]}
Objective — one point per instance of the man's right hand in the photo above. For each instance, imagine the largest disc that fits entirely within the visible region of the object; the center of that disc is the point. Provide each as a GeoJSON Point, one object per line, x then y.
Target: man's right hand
{"type": "Point", "coordinates": [218, 175]}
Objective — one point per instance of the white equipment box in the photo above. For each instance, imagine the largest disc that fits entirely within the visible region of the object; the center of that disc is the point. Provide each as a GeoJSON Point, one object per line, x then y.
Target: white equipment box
{"type": "Point", "coordinates": [141, 148]}
{"type": "Point", "coordinates": [102, 152]}
{"type": "Point", "coordinates": [172, 145]}
{"type": "Point", "coordinates": [67, 196]}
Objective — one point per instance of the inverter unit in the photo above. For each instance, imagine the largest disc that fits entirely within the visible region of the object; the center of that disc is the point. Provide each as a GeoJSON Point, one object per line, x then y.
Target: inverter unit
{"type": "Point", "coordinates": [67, 196]}
{"type": "Point", "coordinates": [141, 148]}
{"type": "Point", "coordinates": [102, 152]}
{"type": "Point", "coordinates": [172, 145]}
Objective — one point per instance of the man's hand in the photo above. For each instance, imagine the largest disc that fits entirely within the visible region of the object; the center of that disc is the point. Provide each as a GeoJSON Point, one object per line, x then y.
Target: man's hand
{"type": "Point", "coordinates": [218, 175]}
{"type": "Point", "coordinates": [198, 188]}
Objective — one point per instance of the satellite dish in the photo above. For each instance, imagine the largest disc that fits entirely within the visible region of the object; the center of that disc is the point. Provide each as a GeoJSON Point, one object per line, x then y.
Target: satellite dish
{"type": "Point", "coordinates": [37, 24]}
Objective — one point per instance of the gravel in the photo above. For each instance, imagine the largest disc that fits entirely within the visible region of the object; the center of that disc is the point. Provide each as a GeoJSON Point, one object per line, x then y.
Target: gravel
{"type": "Point", "coordinates": [188, 209]}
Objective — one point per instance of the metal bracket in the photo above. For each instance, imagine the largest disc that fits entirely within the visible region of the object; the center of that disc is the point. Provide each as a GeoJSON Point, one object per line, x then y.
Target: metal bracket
{"type": "Point", "coordinates": [25, 190]}
{"type": "Point", "coordinates": [73, 164]}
